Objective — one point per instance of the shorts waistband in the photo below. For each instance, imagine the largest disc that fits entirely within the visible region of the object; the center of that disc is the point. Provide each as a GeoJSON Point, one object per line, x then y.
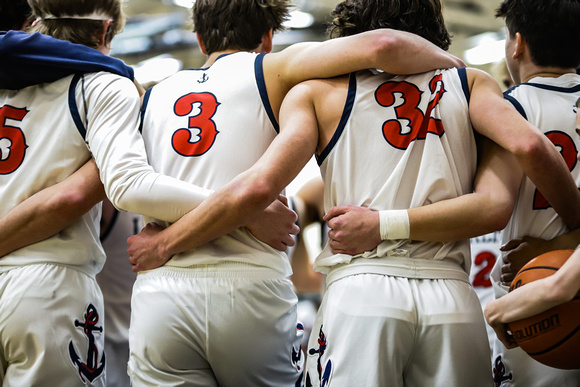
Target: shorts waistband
{"type": "Point", "coordinates": [399, 267]}
{"type": "Point", "coordinates": [220, 270]}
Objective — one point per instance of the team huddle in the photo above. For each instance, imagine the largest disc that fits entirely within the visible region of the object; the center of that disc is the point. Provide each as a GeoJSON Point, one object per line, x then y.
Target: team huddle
{"type": "Point", "coordinates": [417, 152]}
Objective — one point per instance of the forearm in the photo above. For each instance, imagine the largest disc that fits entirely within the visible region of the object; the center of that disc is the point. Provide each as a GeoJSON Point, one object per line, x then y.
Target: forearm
{"type": "Point", "coordinates": [463, 218]}
{"type": "Point", "coordinates": [547, 170]}
{"type": "Point", "coordinates": [230, 208]}
{"type": "Point", "coordinates": [396, 52]}
{"type": "Point", "coordinates": [567, 241]}
{"type": "Point", "coordinates": [485, 210]}
{"type": "Point", "coordinates": [51, 210]}
{"type": "Point", "coordinates": [537, 296]}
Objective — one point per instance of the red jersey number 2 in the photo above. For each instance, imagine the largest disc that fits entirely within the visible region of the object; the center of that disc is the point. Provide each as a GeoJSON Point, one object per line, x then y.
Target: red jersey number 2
{"type": "Point", "coordinates": [201, 133]}
{"type": "Point", "coordinates": [12, 141]}
{"type": "Point", "coordinates": [568, 151]}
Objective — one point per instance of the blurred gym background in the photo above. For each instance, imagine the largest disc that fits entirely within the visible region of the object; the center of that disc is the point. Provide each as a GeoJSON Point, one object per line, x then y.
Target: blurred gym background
{"type": "Point", "coordinates": [158, 38]}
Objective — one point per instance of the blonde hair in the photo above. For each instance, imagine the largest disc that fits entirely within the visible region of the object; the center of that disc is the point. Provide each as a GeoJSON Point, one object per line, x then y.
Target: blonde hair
{"type": "Point", "coordinates": [61, 19]}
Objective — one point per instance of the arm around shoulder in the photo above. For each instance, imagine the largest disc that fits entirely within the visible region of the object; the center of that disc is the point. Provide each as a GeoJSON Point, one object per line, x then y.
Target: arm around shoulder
{"type": "Point", "coordinates": [495, 118]}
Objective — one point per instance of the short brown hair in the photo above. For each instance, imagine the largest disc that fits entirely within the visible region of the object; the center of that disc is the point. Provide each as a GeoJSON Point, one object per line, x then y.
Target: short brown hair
{"type": "Point", "coordinates": [237, 24]}
{"type": "Point", "coordinates": [421, 17]}
{"type": "Point", "coordinates": [84, 31]}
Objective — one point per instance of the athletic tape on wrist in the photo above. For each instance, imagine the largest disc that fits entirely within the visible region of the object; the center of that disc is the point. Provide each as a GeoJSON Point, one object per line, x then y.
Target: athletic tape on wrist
{"type": "Point", "coordinates": [394, 224]}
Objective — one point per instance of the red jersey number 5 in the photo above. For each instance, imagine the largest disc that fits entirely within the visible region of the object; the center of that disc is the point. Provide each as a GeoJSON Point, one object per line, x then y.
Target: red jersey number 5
{"type": "Point", "coordinates": [201, 133]}
{"type": "Point", "coordinates": [12, 142]}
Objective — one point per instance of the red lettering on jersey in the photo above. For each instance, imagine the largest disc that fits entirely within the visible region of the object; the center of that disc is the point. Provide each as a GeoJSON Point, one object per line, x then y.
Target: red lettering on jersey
{"type": "Point", "coordinates": [568, 151]}
{"type": "Point", "coordinates": [182, 138]}
{"type": "Point", "coordinates": [417, 126]}
{"type": "Point", "coordinates": [481, 278]}
{"type": "Point", "coordinates": [11, 153]}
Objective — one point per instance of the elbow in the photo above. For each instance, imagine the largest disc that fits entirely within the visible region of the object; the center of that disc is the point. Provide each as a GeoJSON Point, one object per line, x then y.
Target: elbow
{"type": "Point", "coordinates": [529, 147]}
{"type": "Point", "coordinates": [385, 47]}
{"type": "Point", "coordinates": [255, 191]}
{"type": "Point", "coordinates": [498, 214]}
{"type": "Point", "coordinates": [74, 201]}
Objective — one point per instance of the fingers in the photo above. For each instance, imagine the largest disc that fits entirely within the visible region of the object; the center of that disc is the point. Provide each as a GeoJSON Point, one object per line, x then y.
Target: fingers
{"type": "Point", "coordinates": [334, 212]}
{"type": "Point", "coordinates": [511, 244]}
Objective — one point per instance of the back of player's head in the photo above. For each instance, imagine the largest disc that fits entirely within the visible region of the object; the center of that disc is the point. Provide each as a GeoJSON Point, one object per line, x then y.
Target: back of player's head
{"type": "Point", "coordinates": [551, 29]}
{"type": "Point", "coordinates": [62, 19]}
{"type": "Point", "coordinates": [13, 14]}
{"type": "Point", "coordinates": [237, 24]}
{"type": "Point", "coordinates": [421, 17]}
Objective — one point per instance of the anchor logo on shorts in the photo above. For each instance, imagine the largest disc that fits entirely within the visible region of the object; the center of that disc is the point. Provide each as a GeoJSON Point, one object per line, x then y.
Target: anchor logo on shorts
{"type": "Point", "coordinates": [324, 375]}
{"type": "Point", "coordinates": [93, 368]}
{"type": "Point", "coordinates": [499, 371]}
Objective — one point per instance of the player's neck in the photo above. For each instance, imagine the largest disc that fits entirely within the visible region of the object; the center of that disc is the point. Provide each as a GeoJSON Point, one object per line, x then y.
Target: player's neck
{"type": "Point", "coordinates": [546, 72]}
{"type": "Point", "coordinates": [214, 55]}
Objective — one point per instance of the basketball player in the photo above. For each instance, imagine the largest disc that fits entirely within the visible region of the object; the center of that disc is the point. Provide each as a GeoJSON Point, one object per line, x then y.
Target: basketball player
{"type": "Point", "coordinates": [64, 344]}
{"type": "Point", "coordinates": [449, 345]}
{"type": "Point", "coordinates": [231, 105]}
{"type": "Point", "coordinates": [542, 53]}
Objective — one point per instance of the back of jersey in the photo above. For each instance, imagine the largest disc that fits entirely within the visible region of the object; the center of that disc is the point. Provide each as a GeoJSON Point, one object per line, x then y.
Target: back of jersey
{"type": "Point", "coordinates": [403, 142]}
{"type": "Point", "coordinates": [40, 146]}
{"type": "Point", "coordinates": [206, 126]}
{"type": "Point", "coordinates": [550, 105]}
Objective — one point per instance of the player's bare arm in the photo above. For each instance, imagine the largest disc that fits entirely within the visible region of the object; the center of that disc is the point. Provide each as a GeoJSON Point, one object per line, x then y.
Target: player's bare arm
{"type": "Point", "coordinates": [520, 251]}
{"type": "Point", "coordinates": [537, 156]}
{"type": "Point", "coordinates": [534, 298]}
{"type": "Point", "coordinates": [51, 210]}
{"type": "Point", "coordinates": [247, 194]}
{"type": "Point", "coordinates": [395, 52]}
{"type": "Point", "coordinates": [356, 229]}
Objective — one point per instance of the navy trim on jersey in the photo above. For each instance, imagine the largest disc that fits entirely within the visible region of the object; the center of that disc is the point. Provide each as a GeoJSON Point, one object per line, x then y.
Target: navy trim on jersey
{"type": "Point", "coordinates": [261, 83]}
{"type": "Point", "coordinates": [516, 104]}
{"type": "Point", "coordinates": [72, 104]}
{"type": "Point", "coordinates": [462, 72]}
{"type": "Point", "coordinates": [560, 89]}
{"type": "Point", "coordinates": [144, 107]}
{"type": "Point", "coordinates": [343, 119]}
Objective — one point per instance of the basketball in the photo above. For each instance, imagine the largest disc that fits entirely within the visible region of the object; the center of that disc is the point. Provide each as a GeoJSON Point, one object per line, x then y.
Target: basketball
{"type": "Point", "coordinates": [552, 337]}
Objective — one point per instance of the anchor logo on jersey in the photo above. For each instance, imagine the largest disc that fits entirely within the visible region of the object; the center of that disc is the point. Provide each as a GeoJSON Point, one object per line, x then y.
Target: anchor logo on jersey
{"type": "Point", "coordinates": [499, 370]}
{"type": "Point", "coordinates": [323, 375]}
{"type": "Point", "coordinates": [204, 78]}
{"type": "Point", "coordinates": [93, 368]}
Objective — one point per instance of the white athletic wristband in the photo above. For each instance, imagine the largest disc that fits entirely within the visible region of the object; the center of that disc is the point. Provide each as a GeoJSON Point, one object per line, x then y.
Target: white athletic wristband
{"type": "Point", "coordinates": [394, 224]}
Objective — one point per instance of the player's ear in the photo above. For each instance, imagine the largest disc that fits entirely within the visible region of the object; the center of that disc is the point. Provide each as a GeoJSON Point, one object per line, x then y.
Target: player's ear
{"type": "Point", "coordinates": [267, 41]}
{"type": "Point", "coordinates": [520, 45]}
{"type": "Point", "coordinates": [103, 35]}
{"type": "Point", "coordinates": [200, 43]}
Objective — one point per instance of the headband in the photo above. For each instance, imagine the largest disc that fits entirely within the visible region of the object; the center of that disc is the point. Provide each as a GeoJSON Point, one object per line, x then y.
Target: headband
{"type": "Point", "coordinates": [92, 16]}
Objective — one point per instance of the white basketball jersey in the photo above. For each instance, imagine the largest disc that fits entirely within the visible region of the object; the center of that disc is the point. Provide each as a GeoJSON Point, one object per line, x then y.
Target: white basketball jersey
{"type": "Point", "coordinates": [44, 133]}
{"type": "Point", "coordinates": [206, 126]}
{"type": "Point", "coordinates": [550, 105]}
{"type": "Point", "coordinates": [40, 146]}
{"type": "Point", "coordinates": [402, 142]}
